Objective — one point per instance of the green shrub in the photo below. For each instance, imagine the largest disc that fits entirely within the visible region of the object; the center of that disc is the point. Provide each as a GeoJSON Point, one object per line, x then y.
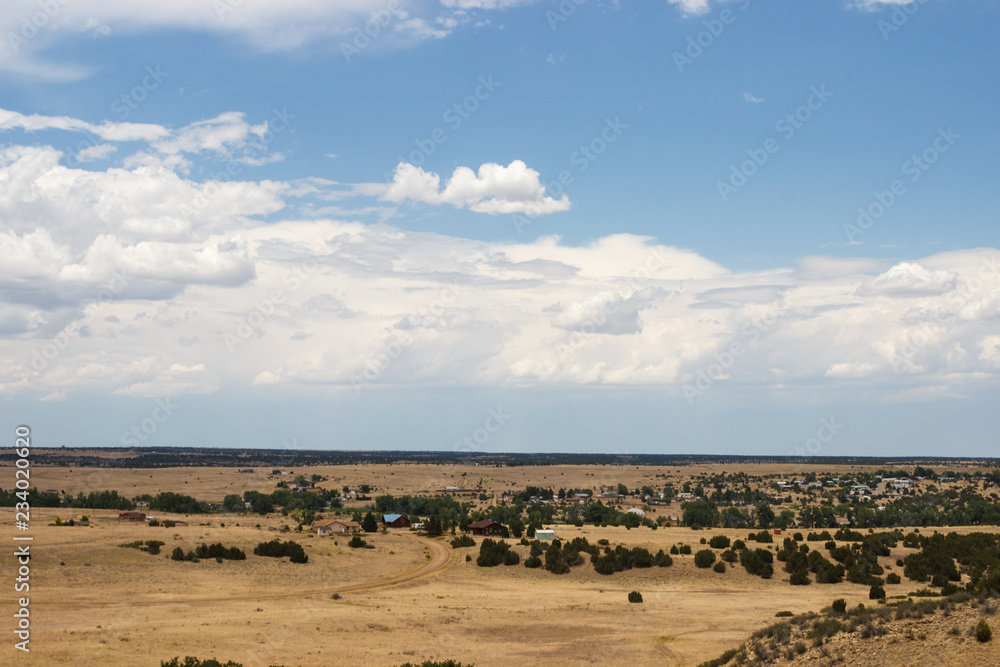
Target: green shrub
{"type": "Point", "coordinates": [219, 552]}
{"type": "Point", "coordinates": [463, 541]}
{"type": "Point", "coordinates": [840, 605]}
{"type": "Point", "coordinates": [783, 614]}
{"type": "Point", "coordinates": [846, 535]}
{"type": "Point", "coordinates": [533, 562]}
{"type": "Point", "coordinates": [825, 628]}
{"type": "Point", "coordinates": [892, 578]}
{"type": "Point", "coordinates": [149, 546]}
{"type": "Point", "coordinates": [356, 542]}
{"type": "Point", "coordinates": [636, 597]}
{"type": "Point", "coordinates": [876, 593]}
{"type": "Point", "coordinates": [704, 558]}
{"type": "Point", "coordinates": [493, 553]}
{"type": "Point", "coordinates": [799, 578]}
{"type": "Point", "coordinates": [720, 567]}
{"type": "Point", "coordinates": [719, 542]}
{"type": "Point", "coordinates": [758, 562]}
{"type": "Point", "coordinates": [279, 549]}
{"type": "Point", "coordinates": [983, 632]}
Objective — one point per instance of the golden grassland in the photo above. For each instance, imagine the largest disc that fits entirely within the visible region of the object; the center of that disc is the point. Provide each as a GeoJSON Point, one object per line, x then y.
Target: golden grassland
{"type": "Point", "coordinates": [95, 603]}
{"type": "Point", "coordinates": [211, 484]}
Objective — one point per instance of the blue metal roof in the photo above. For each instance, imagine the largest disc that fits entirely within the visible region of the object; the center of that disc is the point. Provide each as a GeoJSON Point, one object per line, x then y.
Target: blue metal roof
{"type": "Point", "coordinates": [389, 518]}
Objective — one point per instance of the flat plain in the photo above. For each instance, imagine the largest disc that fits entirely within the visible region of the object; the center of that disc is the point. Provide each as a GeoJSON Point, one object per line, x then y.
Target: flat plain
{"type": "Point", "coordinates": [409, 599]}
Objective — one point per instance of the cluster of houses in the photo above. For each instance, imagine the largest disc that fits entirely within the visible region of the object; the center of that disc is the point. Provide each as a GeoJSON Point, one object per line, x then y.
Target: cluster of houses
{"type": "Point", "coordinates": [892, 487]}
{"type": "Point", "coordinates": [308, 487]}
{"type": "Point", "coordinates": [347, 527]}
{"type": "Point", "coordinates": [456, 491]}
{"type": "Point", "coordinates": [484, 528]}
{"type": "Point", "coordinates": [801, 484]}
{"type": "Point", "coordinates": [141, 517]}
{"type": "Point", "coordinates": [490, 528]}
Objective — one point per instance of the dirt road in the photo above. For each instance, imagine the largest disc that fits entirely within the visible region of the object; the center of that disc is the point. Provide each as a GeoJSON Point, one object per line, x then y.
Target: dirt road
{"type": "Point", "coordinates": [440, 557]}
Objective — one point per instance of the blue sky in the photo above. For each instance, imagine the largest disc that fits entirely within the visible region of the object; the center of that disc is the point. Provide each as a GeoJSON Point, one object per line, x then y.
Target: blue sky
{"type": "Point", "coordinates": [301, 237]}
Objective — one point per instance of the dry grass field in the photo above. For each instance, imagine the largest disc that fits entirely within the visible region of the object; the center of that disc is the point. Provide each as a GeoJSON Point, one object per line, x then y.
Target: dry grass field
{"type": "Point", "coordinates": [95, 603]}
{"type": "Point", "coordinates": [212, 484]}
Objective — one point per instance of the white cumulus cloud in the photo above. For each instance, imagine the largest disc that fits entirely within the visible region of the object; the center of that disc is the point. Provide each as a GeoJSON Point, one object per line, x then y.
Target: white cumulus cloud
{"type": "Point", "coordinates": [515, 188]}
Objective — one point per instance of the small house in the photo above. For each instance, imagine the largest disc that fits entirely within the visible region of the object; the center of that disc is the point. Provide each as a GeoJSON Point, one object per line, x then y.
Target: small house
{"type": "Point", "coordinates": [132, 516]}
{"type": "Point", "coordinates": [395, 521]}
{"type": "Point", "coordinates": [485, 527]}
{"type": "Point", "coordinates": [545, 535]}
{"type": "Point", "coordinates": [322, 527]}
{"type": "Point", "coordinates": [345, 527]}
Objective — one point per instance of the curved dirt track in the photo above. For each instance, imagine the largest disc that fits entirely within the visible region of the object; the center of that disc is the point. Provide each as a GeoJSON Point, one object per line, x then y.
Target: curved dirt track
{"type": "Point", "coordinates": [440, 558]}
